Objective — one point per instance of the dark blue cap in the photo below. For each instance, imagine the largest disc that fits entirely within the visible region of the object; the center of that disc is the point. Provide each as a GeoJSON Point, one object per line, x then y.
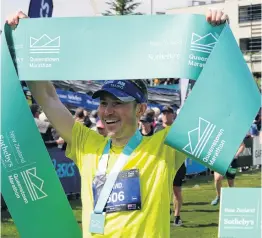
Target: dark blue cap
{"type": "Point", "coordinates": [125, 91]}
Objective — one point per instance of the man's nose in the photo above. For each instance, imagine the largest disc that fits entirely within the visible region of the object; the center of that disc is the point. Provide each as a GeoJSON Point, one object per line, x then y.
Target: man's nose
{"type": "Point", "coordinates": [109, 109]}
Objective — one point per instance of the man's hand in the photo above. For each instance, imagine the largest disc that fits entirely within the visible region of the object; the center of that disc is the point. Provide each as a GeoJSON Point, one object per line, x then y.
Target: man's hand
{"type": "Point", "coordinates": [216, 17]}
{"type": "Point", "coordinates": [13, 20]}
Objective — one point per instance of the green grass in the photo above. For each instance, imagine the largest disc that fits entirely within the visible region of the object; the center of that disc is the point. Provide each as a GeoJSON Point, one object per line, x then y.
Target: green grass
{"type": "Point", "coordinates": [199, 217]}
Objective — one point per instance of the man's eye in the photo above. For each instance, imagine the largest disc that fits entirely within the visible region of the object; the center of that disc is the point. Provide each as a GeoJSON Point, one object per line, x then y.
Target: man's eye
{"type": "Point", "coordinates": [103, 103]}
{"type": "Point", "coordinates": [117, 103]}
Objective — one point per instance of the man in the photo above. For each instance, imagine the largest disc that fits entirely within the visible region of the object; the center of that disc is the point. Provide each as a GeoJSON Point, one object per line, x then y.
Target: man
{"type": "Point", "coordinates": [41, 125]}
{"type": "Point", "coordinates": [79, 114]}
{"type": "Point", "coordinates": [168, 117]}
{"type": "Point", "coordinates": [230, 175]}
{"type": "Point", "coordinates": [44, 127]}
{"type": "Point", "coordinates": [254, 130]}
{"type": "Point", "coordinates": [139, 205]}
{"type": "Point", "coordinates": [146, 125]}
{"type": "Point", "coordinates": [157, 112]}
{"type": "Point", "coordinates": [93, 117]}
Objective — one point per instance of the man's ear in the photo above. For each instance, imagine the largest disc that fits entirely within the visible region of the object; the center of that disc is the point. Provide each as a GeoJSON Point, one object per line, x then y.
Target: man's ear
{"type": "Point", "coordinates": [141, 109]}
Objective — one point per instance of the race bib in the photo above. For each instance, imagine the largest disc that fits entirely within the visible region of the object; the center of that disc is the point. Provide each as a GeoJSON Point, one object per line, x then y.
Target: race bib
{"type": "Point", "coordinates": [125, 195]}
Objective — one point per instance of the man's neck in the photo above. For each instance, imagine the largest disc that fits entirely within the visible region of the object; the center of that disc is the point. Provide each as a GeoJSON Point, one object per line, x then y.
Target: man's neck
{"type": "Point", "coordinates": [122, 141]}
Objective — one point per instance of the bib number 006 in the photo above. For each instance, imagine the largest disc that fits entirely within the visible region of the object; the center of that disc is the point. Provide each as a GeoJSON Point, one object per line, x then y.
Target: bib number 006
{"type": "Point", "coordinates": [116, 197]}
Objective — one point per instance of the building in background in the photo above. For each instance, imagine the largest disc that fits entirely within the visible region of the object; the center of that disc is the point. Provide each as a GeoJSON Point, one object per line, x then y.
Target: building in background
{"type": "Point", "coordinates": [245, 22]}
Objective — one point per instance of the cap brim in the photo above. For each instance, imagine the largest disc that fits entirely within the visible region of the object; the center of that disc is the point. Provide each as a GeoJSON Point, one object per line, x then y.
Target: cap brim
{"type": "Point", "coordinates": [122, 96]}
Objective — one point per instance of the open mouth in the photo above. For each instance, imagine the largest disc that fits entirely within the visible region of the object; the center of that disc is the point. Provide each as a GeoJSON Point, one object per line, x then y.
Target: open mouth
{"type": "Point", "coordinates": [111, 122]}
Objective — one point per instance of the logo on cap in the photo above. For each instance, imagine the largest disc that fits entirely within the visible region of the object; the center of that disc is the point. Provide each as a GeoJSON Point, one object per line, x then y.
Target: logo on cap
{"type": "Point", "coordinates": [122, 83]}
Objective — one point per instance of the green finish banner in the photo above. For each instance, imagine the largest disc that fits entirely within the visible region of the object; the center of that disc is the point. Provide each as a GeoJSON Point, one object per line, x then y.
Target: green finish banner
{"type": "Point", "coordinates": [106, 48]}
{"type": "Point", "coordinates": [220, 109]}
{"type": "Point", "coordinates": [240, 213]}
{"type": "Point", "coordinates": [30, 185]}
{"type": "Point", "coordinates": [209, 127]}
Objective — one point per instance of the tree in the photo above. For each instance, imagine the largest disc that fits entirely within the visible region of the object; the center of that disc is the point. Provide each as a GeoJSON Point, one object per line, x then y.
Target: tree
{"type": "Point", "coordinates": [121, 7]}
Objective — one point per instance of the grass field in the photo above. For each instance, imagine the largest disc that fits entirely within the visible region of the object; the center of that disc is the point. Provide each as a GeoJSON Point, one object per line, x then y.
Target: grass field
{"type": "Point", "coordinates": [199, 217]}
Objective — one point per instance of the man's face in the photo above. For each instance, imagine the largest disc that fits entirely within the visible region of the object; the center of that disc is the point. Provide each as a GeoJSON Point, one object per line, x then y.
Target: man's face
{"type": "Point", "coordinates": [119, 118]}
{"type": "Point", "coordinates": [168, 117]}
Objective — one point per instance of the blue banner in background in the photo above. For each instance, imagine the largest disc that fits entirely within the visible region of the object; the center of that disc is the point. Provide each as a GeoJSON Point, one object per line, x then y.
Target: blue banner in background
{"type": "Point", "coordinates": [77, 99]}
{"type": "Point", "coordinates": [40, 8]}
{"type": "Point", "coordinates": [83, 100]}
{"type": "Point", "coordinates": [66, 170]}
{"type": "Point", "coordinates": [86, 101]}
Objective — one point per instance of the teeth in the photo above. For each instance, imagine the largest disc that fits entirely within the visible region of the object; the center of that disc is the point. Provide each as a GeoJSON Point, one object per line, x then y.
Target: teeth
{"type": "Point", "coordinates": [110, 121]}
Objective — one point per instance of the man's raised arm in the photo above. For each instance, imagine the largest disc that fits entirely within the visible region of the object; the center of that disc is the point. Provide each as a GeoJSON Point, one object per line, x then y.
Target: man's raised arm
{"type": "Point", "coordinates": [45, 95]}
{"type": "Point", "coordinates": [61, 119]}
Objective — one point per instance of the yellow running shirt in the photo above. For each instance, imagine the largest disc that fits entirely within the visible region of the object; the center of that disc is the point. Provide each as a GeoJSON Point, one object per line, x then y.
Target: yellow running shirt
{"type": "Point", "coordinates": [157, 164]}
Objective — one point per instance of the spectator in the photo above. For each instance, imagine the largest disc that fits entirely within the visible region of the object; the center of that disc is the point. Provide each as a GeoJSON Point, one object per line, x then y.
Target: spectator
{"type": "Point", "coordinates": [79, 115]}
{"type": "Point", "coordinates": [168, 116]}
{"type": "Point", "coordinates": [43, 117]}
{"type": "Point", "coordinates": [230, 175]}
{"type": "Point", "coordinates": [150, 113]}
{"type": "Point", "coordinates": [86, 113]}
{"type": "Point", "coordinates": [146, 126]}
{"type": "Point", "coordinates": [44, 126]}
{"type": "Point", "coordinates": [156, 81]}
{"type": "Point", "coordinates": [41, 125]}
{"type": "Point", "coordinates": [87, 122]}
{"type": "Point", "coordinates": [157, 112]}
{"type": "Point", "coordinates": [93, 117]}
{"type": "Point", "coordinates": [254, 130]}
{"type": "Point", "coordinates": [29, 98]}
{"type": "Point", "coordinates": [258, 120]}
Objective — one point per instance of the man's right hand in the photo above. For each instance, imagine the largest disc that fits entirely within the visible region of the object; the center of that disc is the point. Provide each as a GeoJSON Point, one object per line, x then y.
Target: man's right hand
{"type": "Point", "coordinates": [13, 20]}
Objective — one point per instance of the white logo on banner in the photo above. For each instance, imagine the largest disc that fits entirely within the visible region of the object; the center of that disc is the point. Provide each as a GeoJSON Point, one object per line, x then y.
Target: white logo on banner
{"type": "Point", "coordinates": [204, 43]}
{"type": "Point", "coordinates": [199, 137]}
{"type": "Point", "coordinates": [45, 45]}
{"type": "Point", "coordinates": [34, 184]}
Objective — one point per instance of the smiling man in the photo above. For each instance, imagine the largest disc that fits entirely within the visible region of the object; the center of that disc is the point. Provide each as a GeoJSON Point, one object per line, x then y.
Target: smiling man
{"type": "Point", "coordinates": [121, 105]}
{"type": "Point", "coordinates": [126, 178]}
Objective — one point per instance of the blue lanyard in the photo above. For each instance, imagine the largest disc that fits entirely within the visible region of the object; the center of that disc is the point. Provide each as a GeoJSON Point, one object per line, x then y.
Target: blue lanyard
{"type": "Point", "coordinates": [120, 163]}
